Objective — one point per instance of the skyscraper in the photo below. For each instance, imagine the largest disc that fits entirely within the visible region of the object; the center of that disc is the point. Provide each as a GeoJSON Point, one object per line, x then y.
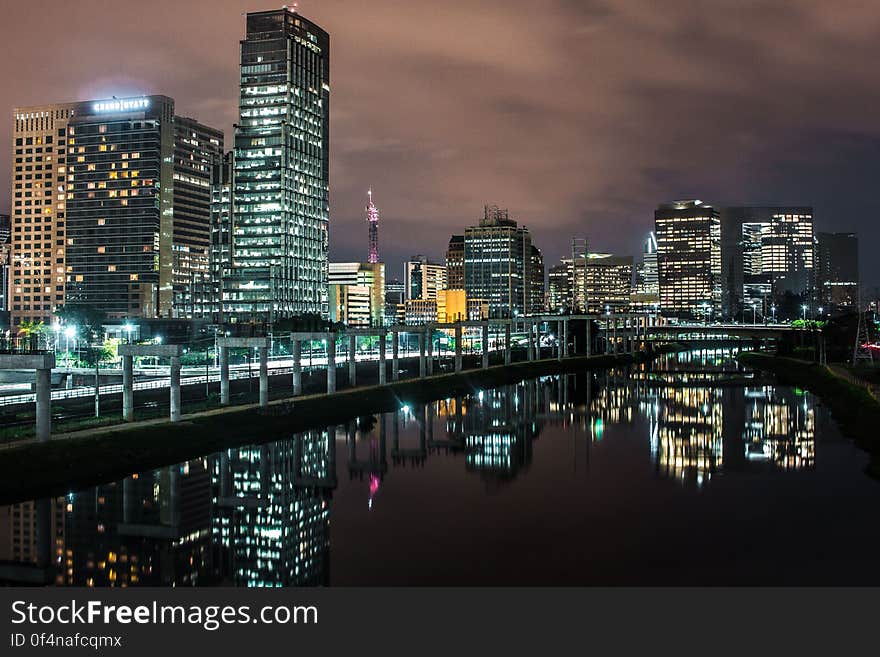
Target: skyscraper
{"type": "Point", "coordinates": [498, 263]}
{"type": "Point", "coordinates": [688, 259]}
{"type": "Point", "coordinates": [455, 263]}
{"type": "Point", "coordinates": [117, 220]}
{"type": "Point", "coordinates": [423, 279]}
{"type": "Point", "coordinates": [837, 265]}
{"type": "Point", "coordinates": [366, 281]}
{"type": "Point", "coordinates": [282, 171]}
{"type": "Point", "coordinates": [196, 148]}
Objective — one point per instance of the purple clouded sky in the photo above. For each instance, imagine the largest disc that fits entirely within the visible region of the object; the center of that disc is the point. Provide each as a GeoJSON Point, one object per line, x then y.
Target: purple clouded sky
{"type": "Point", "coordinates": [578, 115]}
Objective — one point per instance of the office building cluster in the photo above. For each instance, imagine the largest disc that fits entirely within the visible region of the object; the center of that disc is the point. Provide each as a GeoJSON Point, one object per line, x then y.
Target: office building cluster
{"type": "Point", "coordinates": [129, 208]}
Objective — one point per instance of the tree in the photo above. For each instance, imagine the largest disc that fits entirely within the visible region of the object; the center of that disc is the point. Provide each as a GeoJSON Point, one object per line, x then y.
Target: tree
{"type": "Point", "coordinates": [87, 318]}
{"type": "Point", "coordinates": [30, 328]}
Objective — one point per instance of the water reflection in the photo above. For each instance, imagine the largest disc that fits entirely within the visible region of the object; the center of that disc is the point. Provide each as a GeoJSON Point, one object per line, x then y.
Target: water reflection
{"type": "Point", "coordinates": [260, 515]}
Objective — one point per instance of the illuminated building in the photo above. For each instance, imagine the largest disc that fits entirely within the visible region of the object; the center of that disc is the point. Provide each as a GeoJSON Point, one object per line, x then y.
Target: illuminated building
{"type": "Point", "coordinates": [455, 263]}
{"type": "Point", "coordinates": [455, 306]}
{"type": "Point", "coordinates": [420, 311]}
{"type": "Point", "coordinates": [423, 279]}
{"type": "Point", "coordinates": [780, 429]}
{"type": "Point", "coordinates": [536, 301]}
{"type": "Point", "coordinates": [5, 260]}
{"type": "Point", "coordinates": [281, 188]}
{"type": "Point", "coordinates": [837, 265]}
{"type": "Point", "coordinates": [499, 265]}
{"type": "Point", "coordinates": [197, 148]}
{"type": "Point", "coordinates": [362, 307]}
{"type": "Point", "coordinates": [766, 252]}
{"type": "Point", "coordinates": [688, 259]}
{"type": "Point", "coordinates": [100, 219]}
{"type": "Point", "coordinates": [395, 296]}
{"type": "Point", "coordinates": [559, 289]}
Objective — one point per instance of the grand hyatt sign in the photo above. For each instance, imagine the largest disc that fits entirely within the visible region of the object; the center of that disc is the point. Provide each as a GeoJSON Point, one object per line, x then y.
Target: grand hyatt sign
{"type": "Point", "coordinates": [121, 105]}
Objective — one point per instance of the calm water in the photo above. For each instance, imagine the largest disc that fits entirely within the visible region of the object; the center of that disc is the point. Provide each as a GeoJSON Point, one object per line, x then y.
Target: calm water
{"type": "Point", "coordinates": [624, 477]}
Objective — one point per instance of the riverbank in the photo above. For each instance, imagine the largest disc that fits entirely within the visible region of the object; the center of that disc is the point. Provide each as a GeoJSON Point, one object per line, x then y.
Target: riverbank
{"type": "Point", "coordinates": [110, 453]}
{"type": "Point", "coordinates": [854, 409]}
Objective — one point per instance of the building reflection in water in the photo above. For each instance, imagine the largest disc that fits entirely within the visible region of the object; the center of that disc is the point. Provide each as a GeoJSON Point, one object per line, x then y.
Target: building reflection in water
{"type": "Point", "coordinates": [260, 515]}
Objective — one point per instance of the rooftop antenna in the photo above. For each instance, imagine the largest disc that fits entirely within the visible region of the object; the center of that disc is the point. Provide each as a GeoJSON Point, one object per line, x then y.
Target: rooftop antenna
{"type": "Point", "coordinates": [373, 221]}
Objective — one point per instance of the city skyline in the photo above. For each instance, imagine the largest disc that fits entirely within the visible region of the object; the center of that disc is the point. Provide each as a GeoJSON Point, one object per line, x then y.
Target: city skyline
{"type": "Point", "coordinates": [469, 122]}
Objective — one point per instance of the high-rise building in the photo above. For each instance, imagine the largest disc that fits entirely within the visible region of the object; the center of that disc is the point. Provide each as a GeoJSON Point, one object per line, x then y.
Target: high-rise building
{"type": "Point", "coordinates": [395, 298]}
{"type": "Point", "coordinates": [369, 278]}
{"type": "Point", "coordinates": [197, 148]}
{"type": "Point", "coordinates": [455, 263]}
{"type": "Point", "coordinates": [837, 265]}
{"type": "Point", "coordinates": [110, 206]}
{"type": "Point", "coordinates": [120, 207]}
{"type": "Point", "coordinates": [498, 263]}
{"type": "Point", "coordinates": [608, 282]}
{"type": "Point", "coordinates": [766, 252]}
{"type": "Point", "coordinates": [282, 171]}
{"type": "Point", "coordinates": [688, 259]}
{"type": "Point", "coordinates": [5, 246]}
{"type": "Point", "coordinates": [559, 293]}
{"type": "Point", "coordinates": [536, 301]}
{"type": "Point", "coordinates": [423, 279]}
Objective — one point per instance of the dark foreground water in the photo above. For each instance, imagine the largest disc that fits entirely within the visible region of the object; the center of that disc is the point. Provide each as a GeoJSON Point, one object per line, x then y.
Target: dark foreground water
{"type": "Point", "coordinates": [690, 472]}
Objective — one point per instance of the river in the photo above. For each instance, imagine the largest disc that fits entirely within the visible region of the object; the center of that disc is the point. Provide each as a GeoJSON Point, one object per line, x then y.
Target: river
{"type": "Point", "coordinates": [689, 470]}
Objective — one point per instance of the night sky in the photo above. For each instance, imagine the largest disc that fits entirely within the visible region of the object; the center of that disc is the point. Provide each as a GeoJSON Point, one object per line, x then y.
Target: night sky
{"type": "Point", "coordinates": [578, 115]}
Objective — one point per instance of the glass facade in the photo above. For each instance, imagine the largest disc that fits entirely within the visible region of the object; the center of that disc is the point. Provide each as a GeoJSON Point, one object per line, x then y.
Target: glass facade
{"type": "Point", "coordinates": [688, 259]}
{"type": "Point", "coordinates": [281, 187]}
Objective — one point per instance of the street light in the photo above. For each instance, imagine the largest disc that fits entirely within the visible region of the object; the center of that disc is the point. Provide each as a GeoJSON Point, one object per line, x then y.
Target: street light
{"type": "Point", "coordinates": [69, 332]}
{"type": "Point", "coordinates": [755, 314]}
{"type": "Point", "coordinates": [128, 329]}
{"type": "Point", "coordinates": [773, 310]}
{"type": "Point", "coordinates": [804, 309]}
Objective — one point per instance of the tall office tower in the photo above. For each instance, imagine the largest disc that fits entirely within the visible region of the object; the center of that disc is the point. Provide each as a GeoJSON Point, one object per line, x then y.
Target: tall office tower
{"type": "Point", "coordinates": [608, 282]}
{"type": "Point", "coordinates": [688, 259]}
{"type": "Point", "coordinates": [94, 218]}
{"type": "Point", "coordinates": [282, 171]}
{"type": "Point", "coordinates": [196, 148]}
{"type": "Point", "coordinates": [120, 206]}
{"type": "Point", "coordinates": [498, 263]}
{"type": "Point", "coordinates": [559, 294]}
{"type": "Point", "coordinates": [455, 263]}
{"type": "Point", "coordinates": [577, 274]}
{"type": "Point", "coordinates": [536, 302]}
{"type": "Point", "coordinates": [209, 301]}
{"type": "Point", "coordinates": [395, 298]}
{"type": "Point", "coordinates": [357, 293]}
{"type": "Point", "coordinates": [39, 168]}
{"type": "Point", "coordinates": [785, 232]}
{"type": "Point", "coordinates": [423, 279]}
{"type": "Point", "coordinates": [649, 266]}
{"type": "Point", "coordinates": [373, 222]}
{"type": "Point", "coordinates": [5, 247]}
{"type": "Point", "coordinates": [837, 265]}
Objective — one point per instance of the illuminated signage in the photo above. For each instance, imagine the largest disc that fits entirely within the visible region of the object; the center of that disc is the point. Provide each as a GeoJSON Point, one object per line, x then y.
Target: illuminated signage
{"type": "Point", "coordinates": [122, 105]}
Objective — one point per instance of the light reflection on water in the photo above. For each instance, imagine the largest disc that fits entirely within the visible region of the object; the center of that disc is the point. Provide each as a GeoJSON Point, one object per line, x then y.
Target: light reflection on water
{"type": "Point", "coordinates": [567, 479]}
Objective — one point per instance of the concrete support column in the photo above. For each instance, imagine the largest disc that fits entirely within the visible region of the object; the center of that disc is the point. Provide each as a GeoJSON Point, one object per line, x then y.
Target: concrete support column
{"type": "Point", "coordinates": [128, 388]}
{"type": "Point", "coordinates": [331, 363]}
{"type": "Point", "coordinates": [264, 375]}
{"type": "Point", "coordinates": [615, 336]}
{"type": "Point", "coordinates": [44, 405]}
{"type": "Point", "coordinates": [175, 388]}
{"type": "Point", "coordinates": [565, 349]}
{"type": "Point", "coordinates": [507, 354]}
{"type": "Point", "coordinates": [458, 333]}
{"type": "Point", "coordinates": [589, 350]}
{"type": "Point", "coordinates": [352, 360]}
{"type": "Point", "coordinates": [395, 358]}
{"type": "Point", "coordinates": [485, 328]}
{"type": "Point", "coordinates": [297, 368]}
{"type": "Point", "coordinates": [383, 370]}
{"type": "Point", "coordinates": [422, 369]}
{"type": "Point", "coordinates": [560, 338]}
{"type": "Point", "coordinates": [429, 346]}
{"type": "Point", "coordinates": [530, 339]}
{"type": "Point", "coordinates": [224, 376]}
